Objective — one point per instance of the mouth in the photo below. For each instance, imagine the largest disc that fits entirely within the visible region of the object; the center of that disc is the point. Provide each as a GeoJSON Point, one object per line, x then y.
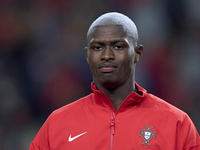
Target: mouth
{"type": "Point", "coordinates": [107, 68]}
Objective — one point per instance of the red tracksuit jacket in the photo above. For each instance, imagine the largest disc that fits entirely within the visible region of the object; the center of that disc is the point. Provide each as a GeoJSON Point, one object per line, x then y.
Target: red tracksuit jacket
{"type": "Point", "coordinates": [142, 122]}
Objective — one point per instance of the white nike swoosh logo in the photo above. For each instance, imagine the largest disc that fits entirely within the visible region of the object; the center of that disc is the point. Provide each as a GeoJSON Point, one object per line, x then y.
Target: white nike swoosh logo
{"type": "Point", "coordinates": [73, 138]}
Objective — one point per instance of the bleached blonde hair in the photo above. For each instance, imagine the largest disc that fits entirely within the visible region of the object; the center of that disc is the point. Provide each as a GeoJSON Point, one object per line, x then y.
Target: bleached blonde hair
{"type": "Point", "coordinates": [115, 18]}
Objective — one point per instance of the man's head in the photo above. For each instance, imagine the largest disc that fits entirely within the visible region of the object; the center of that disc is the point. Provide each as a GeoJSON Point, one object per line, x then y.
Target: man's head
{"type": "Point", "coordinates": [112, 50]}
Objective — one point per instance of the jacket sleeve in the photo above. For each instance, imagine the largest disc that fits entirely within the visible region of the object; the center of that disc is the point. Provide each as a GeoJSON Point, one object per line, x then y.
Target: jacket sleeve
{"type": "Point", "coordinates": [41, 140]}
{"type": "Point", "coordinates": [33, 146]}
{"type": "Point", "coordinates": [189, 135]}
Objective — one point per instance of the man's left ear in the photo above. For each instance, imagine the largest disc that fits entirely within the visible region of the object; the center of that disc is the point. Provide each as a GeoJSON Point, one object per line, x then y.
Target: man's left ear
{"type": "Point", "coordinates": [138, 52]}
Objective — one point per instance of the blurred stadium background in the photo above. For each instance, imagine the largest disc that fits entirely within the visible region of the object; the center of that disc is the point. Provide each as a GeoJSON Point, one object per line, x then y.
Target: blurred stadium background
{"type": "Point", "coordinates": [43, 66]}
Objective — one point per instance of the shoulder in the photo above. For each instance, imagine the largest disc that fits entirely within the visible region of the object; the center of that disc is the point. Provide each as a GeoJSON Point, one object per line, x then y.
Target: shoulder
{"type": "Point", "coordinates": [175, 119]}
{"type": "Point", "coordinates": [74, 107]}
{"type": "Point", "coordinates": [164, 107]}
{"type": "Point", "coordinates": [171, 114]}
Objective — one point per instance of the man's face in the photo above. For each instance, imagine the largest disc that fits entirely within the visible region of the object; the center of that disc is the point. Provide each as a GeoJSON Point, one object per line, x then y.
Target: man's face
{"type": "Point", "coordinates": [110, 55]}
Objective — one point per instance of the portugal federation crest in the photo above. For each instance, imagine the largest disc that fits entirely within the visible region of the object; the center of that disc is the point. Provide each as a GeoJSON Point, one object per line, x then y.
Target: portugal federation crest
{"type": "Point", "coordinates": [147, 135]}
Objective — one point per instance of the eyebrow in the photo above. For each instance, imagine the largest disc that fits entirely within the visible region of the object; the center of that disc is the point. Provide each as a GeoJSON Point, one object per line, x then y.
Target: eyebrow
{"type": "Point", "coordinates": [112, 42]}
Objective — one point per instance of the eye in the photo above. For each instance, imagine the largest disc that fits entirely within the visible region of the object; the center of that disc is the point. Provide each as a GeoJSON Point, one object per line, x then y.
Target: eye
{"type": "Point", "coordinates": [118, 47]}
{"type": "Point", "coordinates": [97, 47]}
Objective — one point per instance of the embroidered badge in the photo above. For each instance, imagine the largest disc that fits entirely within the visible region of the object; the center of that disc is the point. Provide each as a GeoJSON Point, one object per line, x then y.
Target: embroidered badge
{"type": "Point", "coordinates": [147, 135]}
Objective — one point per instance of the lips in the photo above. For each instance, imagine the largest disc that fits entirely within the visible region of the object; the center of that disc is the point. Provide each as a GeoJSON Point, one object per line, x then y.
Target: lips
{"type": "Point", "coordinates": [106, 68]}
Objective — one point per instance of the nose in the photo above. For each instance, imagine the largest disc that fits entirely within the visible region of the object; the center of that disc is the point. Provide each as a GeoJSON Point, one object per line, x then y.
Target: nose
{"type": "Point", "coordinates": [107, 54]}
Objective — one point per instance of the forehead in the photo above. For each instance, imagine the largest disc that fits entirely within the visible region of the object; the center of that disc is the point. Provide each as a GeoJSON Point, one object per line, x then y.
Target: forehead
{"type": "Point", "coordinates": [108, 32]}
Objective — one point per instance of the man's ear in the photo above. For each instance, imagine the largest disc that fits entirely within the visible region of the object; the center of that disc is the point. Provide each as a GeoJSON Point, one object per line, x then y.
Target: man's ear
{"type": "Point", "coordinates": [138, 52]}
{"type": "Point", "coordinates": [86, 53]}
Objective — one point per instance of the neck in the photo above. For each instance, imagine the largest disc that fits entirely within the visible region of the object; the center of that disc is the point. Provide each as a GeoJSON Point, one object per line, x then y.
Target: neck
{"type": "Point", "coordinates": [118, 94]}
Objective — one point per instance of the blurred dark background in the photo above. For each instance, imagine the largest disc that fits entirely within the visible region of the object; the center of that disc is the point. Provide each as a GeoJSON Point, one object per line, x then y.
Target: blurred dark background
{"type": "Point", "coordinates": [43, 66]}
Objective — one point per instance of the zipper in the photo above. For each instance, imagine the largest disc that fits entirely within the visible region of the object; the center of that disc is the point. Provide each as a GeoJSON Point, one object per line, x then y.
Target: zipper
{"type": "Point", "coordinates": [112, 129]}
{"type": "Point", "coordinates": [112, 122]}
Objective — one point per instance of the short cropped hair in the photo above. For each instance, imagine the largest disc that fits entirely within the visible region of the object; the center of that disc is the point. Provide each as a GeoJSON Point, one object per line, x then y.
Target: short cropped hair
{"type": "Point", "coordinates": [114, 18]}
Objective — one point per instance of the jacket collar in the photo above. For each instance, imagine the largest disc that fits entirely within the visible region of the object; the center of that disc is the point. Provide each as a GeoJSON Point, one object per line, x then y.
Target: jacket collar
{"type": "Point", "coordinates": [101, 99]}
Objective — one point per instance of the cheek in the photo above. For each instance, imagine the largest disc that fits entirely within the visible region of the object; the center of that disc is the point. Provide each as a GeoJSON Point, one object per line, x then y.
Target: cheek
{"type": "Point", "coordinates": [129, 58]}
{"type": "Point", "coordinates": [93, 62]}
{"type": "Point", "coordinates": [129, 64]}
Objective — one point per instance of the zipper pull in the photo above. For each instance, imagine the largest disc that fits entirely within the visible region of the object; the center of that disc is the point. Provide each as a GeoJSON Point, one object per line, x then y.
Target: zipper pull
{"type": "Point", "coordinates": [112, 124]}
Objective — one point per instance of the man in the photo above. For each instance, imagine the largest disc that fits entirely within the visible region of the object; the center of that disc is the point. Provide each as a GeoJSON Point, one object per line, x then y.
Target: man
{"type": "Point", "coordinates": [119, 115]}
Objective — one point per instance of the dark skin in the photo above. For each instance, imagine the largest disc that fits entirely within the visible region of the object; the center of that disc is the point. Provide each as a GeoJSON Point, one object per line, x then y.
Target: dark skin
{"type": "Point", "coordinates": [112, 58]}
